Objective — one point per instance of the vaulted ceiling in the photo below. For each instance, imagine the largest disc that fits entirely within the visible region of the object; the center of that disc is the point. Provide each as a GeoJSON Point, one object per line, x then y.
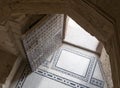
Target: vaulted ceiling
{"type": "Point", "coordinates": [98, 17]}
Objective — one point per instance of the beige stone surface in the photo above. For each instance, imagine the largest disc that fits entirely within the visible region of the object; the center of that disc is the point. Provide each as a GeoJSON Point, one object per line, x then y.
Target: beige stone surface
{"type": "Point", "coordinates": [7, 61]}
{"type": "Point", "coordinates": [104, 58]}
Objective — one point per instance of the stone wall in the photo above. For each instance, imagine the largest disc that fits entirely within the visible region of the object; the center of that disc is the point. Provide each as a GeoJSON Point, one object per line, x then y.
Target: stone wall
{"type": "Point", "coordinates": [104, 58]}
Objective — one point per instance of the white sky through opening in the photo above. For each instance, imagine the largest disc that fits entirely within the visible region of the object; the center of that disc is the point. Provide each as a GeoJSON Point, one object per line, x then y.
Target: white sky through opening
{"type": "Point", "coordinates": [76, 35]}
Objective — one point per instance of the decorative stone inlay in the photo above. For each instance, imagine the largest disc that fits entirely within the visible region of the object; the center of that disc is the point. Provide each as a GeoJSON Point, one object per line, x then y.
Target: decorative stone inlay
{"type": "Point", "coordinates": [23, 76]}
{"type": "Point", "coordinates": [97, 82]}
{"type": "Point", "coordinates": [43, 40]}
{"type": "Point", "coordinates": [60, 79]}
{"type": "Point", "coordinates": [72, 73]}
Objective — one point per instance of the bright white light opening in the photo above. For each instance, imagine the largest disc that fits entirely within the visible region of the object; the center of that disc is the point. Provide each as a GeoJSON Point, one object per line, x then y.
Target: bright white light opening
{"type": "Point", "coordinates": [76, 35]}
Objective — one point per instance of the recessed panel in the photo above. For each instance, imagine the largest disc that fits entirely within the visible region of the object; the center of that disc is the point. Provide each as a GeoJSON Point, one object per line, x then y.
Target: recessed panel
{"type": "Point", "coordinates": [73, 63]}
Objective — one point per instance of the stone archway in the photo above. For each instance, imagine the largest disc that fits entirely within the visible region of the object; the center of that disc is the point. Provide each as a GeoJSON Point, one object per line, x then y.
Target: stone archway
{"type": "Point", "coordinates": [84, 13]}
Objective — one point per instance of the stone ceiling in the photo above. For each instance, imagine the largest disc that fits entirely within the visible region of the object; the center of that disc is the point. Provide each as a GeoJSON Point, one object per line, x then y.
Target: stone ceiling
{"type": "Point", "coordinates": [12, 30]}
{"type": "Point", "coordinates": [101, 19]}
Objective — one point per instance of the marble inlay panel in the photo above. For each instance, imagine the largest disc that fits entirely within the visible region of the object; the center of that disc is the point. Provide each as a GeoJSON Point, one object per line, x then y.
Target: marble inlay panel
{"type": "Point", "coordinates": [66, 68]}
{"type": "Point", "coordinates": [42, 41]}
{"type": "Point", "coordinates": [74, 64]}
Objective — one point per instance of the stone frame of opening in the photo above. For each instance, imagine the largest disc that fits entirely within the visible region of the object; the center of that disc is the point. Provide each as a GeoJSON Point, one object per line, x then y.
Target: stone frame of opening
{"type": "Point", "coordinates": [99, 46]}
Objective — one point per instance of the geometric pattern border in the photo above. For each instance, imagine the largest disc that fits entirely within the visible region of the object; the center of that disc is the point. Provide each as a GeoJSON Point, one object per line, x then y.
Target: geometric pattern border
{"type": "Point", "coordinates": [60, 79]}
{"type": "Point", "coordinates": [89, 69]}
{"type": "Point", "coordinates": [23, 76]}
{"type": "Point", "coordinates": [97, 82]}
